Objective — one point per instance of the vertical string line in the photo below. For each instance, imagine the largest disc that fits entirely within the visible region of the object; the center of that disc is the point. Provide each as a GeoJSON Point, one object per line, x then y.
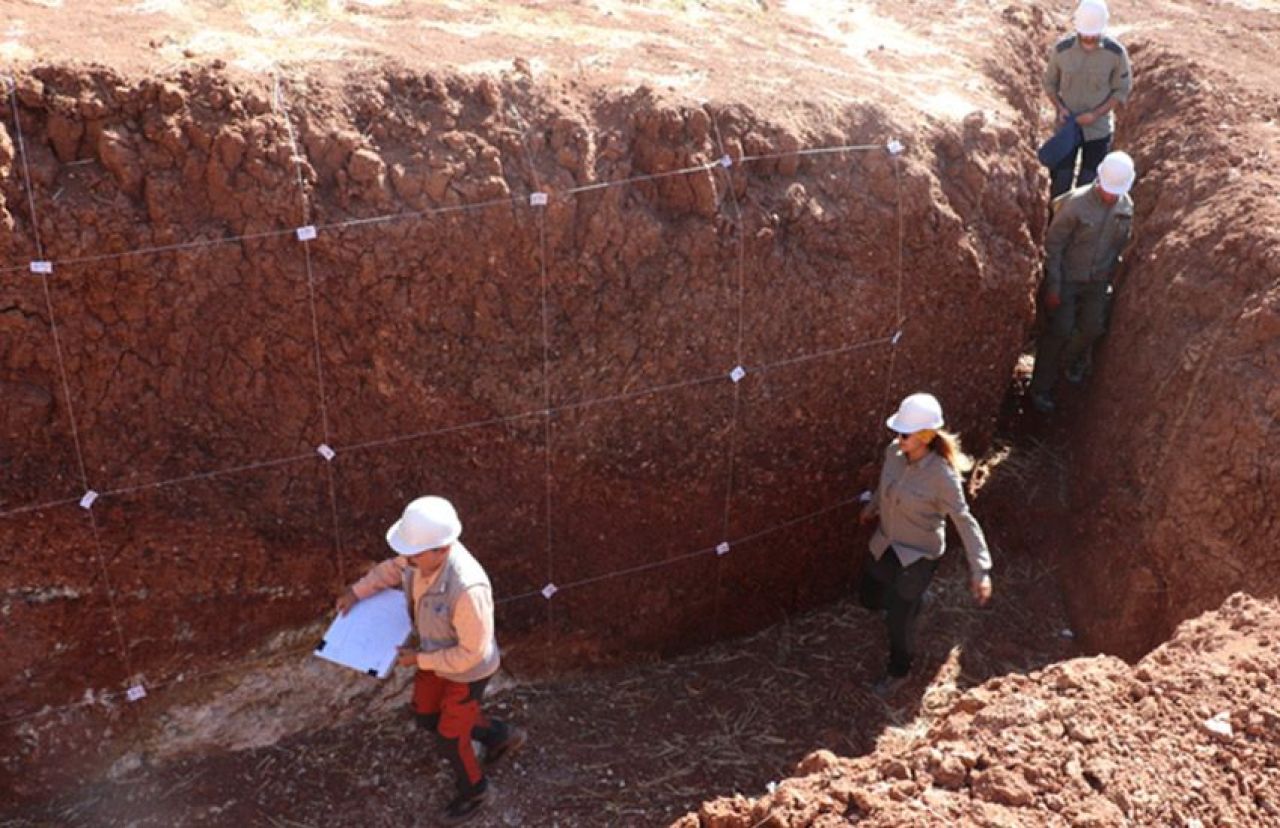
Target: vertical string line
{"type": "Point", "coordinates": [304, 207]}
{"type": "Point", "coordinates": [121, 641]}
{"type": "Point", "coordinates": [541, 214]}
{"type": "Point", "coordinates": [898, 318]}
{"type": "Point", "coordinates": [731, 462]}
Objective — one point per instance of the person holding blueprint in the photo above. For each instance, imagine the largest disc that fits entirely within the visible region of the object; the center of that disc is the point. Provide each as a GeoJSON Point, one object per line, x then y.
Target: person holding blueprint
{"type": "Point", "coordinates": [451, 605]}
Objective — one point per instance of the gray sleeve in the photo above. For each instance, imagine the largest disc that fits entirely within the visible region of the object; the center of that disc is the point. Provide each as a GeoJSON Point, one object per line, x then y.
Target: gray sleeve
{"type": "Point", "coordinates": [1122, 78]}
{"type": "Point", "coordinates": [954, 504]}
{"type": "Point", "coordinates": [1055, 243]}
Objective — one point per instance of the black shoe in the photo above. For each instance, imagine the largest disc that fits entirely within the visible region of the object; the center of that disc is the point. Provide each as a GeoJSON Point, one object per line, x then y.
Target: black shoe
{"type": "Point", "coordinates": [464, 806]}
{"type": "Point", "coordinates": [515, 740]}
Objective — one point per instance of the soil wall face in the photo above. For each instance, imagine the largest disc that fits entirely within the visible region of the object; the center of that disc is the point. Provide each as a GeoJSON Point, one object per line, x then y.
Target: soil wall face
{"type": "Point", "coordinates": [560, 372]}
{"type": "Point", "coordinates": [1175, 480]}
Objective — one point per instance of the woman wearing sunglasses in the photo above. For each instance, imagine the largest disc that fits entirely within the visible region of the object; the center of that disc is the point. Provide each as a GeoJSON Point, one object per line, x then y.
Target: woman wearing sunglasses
{"type": "Point", "coordinates": [919, 489]}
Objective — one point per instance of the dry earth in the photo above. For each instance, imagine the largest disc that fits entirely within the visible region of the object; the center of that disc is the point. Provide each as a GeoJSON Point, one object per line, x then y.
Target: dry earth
{"type": "Point", "coordinates": [180, 132]}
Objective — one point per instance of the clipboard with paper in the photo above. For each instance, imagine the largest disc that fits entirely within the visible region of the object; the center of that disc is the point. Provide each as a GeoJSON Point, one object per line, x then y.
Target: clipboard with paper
{"type": "Point", "coordinates": [367, 637]}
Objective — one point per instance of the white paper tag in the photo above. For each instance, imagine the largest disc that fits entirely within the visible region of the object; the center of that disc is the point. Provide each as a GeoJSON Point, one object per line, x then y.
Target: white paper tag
{"type": "Point", "coordinates": [726, 161]}
{"type": "Point", "coordinates": [86, 502]}
{"type": "Point", "coordinates": [537, 199]}
{"type": "Point", "coordinates": [737, 374]}
{"type": "Point", "coordinates": [307, 233]}
{"type": "Point", "coordinates": [865, 497]}
{"type": "Point", "coordinates": [136, 693]}
{"type": "Point", "coordinates": [549, 590]}
{"type": "Point", "coordinates": [722, 548]}
{"type": "Point", "coordinates": [325, 452]}
{"type": "Point", "coordinates": [42, 267]}
{"type": "Point", "coordinates": [894, 147]}
{"type": "Point", "coordinates": [896, 337]}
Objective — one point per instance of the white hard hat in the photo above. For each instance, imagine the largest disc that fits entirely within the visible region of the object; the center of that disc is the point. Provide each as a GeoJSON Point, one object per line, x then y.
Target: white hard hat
{"type": "Point", "coordinates": [917, 412]}
{"type": "Point", "coordinates": [1116, 173]}
{"type": "Point", "coordinates": [427, 523]}
{"type": "Point", "coordinates": [1091, 17]}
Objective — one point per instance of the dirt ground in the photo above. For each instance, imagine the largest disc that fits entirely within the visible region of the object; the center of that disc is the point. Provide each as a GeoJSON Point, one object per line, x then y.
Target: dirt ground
{"type": "Point", "coordinates": [1188, 736]}
{"type": "Point", "coordinates": [638, 745]}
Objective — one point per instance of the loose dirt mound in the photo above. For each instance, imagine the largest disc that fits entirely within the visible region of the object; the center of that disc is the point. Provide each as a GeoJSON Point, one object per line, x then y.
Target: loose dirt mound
{"type": "Point", "coordinates": [1190, 735]}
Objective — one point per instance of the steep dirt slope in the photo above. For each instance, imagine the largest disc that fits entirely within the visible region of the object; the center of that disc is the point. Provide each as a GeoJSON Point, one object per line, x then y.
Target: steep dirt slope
{"type": "Point", "coordinates": [1174, 484]}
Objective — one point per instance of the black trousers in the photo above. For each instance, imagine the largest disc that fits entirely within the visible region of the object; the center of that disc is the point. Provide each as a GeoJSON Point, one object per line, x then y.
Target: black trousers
{"type": "Point", "coordinates": [888, 585]}
{"type": "Point", "coordinates": [1090, 154]}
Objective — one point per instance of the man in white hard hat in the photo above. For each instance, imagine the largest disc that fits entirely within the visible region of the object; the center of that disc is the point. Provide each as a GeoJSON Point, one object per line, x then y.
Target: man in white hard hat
{"type": "Point", "coordinates": [1087, 76]}
{"type": "Point", "coordinates": [451, 604]}
{"type": "Point", "coordinates": [1090, 227]}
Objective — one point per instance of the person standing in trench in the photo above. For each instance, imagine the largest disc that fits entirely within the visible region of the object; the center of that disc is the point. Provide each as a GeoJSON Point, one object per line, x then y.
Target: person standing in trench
{"type": "Point", "coordinates": [1090, 229]}
{"type": "Point", "coordinates": [1087, 76]}
{"type": "Point", "coordinates": [919, 489]}
{"type": "Point", "coordinates": [451, 606]}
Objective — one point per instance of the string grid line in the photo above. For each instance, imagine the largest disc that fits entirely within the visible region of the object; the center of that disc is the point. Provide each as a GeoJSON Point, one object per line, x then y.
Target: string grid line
{"type": "Point", "coordinates": [546, 412]}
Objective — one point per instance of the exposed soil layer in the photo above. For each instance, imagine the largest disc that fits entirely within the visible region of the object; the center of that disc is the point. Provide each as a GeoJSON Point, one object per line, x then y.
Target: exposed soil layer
{"type": "Point", "coordinates": [560, 372]}
{"type": "Point", "coordinates": [1190, 735]}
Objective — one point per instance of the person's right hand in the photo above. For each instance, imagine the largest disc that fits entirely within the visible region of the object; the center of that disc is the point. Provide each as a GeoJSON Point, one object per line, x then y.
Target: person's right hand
{"type": "Point", "coordinates": [1052, 301]}
{"type": "Point", "coordinates": [345, 601]}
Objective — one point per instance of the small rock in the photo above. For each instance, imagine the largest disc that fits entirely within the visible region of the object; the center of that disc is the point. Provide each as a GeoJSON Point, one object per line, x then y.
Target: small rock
{"type": "Point", "coordinates": [1219, 726]}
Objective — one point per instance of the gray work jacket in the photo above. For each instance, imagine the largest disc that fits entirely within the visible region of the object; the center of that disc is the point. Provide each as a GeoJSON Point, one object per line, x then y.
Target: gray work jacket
{"type": "Point", "coordinates": [1085, 237]}
{"type": "Point", "coordinates": [913, 501]}
{"type": "Point", "coordinates": [1084, 79]}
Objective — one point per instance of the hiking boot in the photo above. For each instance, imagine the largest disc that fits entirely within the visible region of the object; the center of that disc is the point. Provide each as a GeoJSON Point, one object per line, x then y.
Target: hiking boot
{"type": "Point", "coordinates": [515, 740]}
{"type": "Point", "coordinates": [466, 805]}
{"type": "Point", "coordinates": [1043, 403]}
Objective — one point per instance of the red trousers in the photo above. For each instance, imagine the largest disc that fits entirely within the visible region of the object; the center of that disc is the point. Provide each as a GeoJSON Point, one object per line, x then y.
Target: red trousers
{"type": "Point", "coordinates": [453, 710]}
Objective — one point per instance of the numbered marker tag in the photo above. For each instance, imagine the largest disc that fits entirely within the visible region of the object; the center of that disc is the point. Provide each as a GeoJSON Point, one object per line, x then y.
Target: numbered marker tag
{"type": "Point", "coordinates": [42, 267]}
{"type": "Point", "coordinates": [894, 147]}
{"type": "Point", "coordinates": [737, 374]}
{"type": "Point", "coordinates": [136, 693]}
{"type": "Point", "coordinates": [896, 337]}
{"type": "Point", "coordinates": [324, 451]}
{"type": "Point", "coordinates": [307, 233]}
{"type": "Point", "coordinates": [86, 502]}
{"type": "Point", "coordinates": [726, 161]}
{"type": "Point", "coordinates": [538, 199]}
{"type": "Point", "coordinates": [722, 548]}
{"type": "Point", "coordinates": [549, 590]}
{"type": "Point", "coordinates": [865, 497]}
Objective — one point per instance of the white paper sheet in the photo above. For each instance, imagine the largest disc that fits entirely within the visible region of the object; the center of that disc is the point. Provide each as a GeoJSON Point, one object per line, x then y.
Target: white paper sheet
{"type": "Point", "coordinates": [366, 638]}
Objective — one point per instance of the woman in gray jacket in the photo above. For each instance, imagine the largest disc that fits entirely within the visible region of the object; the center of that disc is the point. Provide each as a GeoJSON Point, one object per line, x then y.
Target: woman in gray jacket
{"type": "Point", "coordinates": [919, 488]}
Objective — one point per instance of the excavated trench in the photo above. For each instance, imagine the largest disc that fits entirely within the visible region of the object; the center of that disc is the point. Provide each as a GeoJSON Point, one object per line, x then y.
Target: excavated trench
{"type": "Point", "coordinates": [561, 372]}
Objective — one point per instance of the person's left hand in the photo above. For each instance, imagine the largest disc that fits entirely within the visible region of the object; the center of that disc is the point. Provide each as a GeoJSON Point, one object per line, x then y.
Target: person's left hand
{"type": "Point", "coordinates": [981, 590]}
{"type": "Point", "coordinates": [1086, 118]}
{"type": "Point", "coordinates": [406, 657]}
